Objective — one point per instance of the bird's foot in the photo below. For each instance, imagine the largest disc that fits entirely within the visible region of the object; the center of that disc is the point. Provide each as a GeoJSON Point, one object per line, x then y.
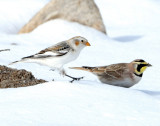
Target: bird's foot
{"type": "Point", "coordinates": [74, 78]}
{"type": "Point", "coordinates": [77, 79]}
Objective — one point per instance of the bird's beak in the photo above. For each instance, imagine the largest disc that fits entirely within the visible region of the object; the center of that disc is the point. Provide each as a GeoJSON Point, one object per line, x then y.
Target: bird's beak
{"type": "Point", "coordinates": [88, 44]}
{"type": "Point", "coordinates": [149, 65]}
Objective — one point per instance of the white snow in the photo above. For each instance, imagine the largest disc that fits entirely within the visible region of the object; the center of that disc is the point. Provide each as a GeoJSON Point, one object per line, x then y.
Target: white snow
{"type": "Point", "coordinates": [133, 32]}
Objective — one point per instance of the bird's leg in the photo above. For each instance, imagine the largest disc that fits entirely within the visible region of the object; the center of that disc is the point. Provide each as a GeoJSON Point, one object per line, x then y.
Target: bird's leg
{"type": "Point", "coordinates": [52, 69]}
{"type": "Point", "coordinates": [73, 78]}
{"type": "Point", "coordinates": [62, 72]}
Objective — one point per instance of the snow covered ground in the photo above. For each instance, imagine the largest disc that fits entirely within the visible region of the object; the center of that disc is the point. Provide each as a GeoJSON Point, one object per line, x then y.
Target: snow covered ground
{"type": "Point", "coordinates": [133, 32]}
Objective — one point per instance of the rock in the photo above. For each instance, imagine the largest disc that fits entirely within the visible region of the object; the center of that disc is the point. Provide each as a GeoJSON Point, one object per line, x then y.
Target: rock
{"type": "Point", "coordinates": [82, 11]}
{"type": "Point", "coordinates": [13, 78]}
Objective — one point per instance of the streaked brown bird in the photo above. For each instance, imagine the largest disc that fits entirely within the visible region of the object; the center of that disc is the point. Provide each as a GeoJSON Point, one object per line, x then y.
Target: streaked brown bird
{"type": "Point", "coordinates": [121, 74]}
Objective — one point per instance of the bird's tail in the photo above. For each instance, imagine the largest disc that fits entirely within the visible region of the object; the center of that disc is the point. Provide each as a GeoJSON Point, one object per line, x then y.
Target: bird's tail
{"type": "Point", "coordinates": [85, 68]}
{"type": "Point", "coordinates": [24, 59]}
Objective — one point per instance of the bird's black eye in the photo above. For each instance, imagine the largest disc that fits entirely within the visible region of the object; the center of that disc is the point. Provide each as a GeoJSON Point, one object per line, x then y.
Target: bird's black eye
{"type": "Point", "coordinates": [81, 40]}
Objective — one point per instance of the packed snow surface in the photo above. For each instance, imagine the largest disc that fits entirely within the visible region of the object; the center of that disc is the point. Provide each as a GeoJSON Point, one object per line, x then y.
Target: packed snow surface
{"type": "Point", "coordinates": [133, 30]}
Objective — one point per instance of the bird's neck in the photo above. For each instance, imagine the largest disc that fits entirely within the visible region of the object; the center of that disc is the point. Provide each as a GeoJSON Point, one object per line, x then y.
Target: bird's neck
{"type": "Point", "coordinates": [139, 75]}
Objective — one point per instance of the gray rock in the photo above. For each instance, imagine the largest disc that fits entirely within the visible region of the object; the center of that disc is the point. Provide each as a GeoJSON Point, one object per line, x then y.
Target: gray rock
{"type": "Point", "coordinates": [82, 11]}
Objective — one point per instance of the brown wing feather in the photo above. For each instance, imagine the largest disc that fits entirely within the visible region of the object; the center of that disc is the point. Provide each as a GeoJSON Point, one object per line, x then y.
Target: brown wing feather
{"type": "Point", "coordinates": [59, 48]}
{"type": "Point", "coordinates": [110, 72]}
{"type": "Point", "coordinates": [115, 70]}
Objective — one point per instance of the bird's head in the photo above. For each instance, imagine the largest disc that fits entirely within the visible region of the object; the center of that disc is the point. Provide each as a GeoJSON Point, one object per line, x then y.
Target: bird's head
{"type": "Point", "coordinates": [140, 66]}
{"type": "Point", "coordinates": [78, 42]}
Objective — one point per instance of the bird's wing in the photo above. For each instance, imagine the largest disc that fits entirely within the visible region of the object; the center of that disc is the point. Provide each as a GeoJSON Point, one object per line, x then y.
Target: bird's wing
{"type": "Point", "coordinates": [59, 49]}
{"type": "Point", "coordinates": [115, 70]}
{"type": "Point", "coordinates": [112, 71]}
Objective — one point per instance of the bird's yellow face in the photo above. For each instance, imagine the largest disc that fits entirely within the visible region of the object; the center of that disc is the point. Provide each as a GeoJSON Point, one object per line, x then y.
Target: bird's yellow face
{"type": "Point", "coordinates": [140, 66]}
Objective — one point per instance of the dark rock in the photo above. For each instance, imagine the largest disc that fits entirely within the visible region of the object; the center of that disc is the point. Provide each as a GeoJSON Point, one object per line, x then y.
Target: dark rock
{"type": "Point", "coordinates": [13, 78]}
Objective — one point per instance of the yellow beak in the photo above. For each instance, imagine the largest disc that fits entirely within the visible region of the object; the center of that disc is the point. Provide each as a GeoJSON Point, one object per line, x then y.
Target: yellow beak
{"type": "Point", "coordinates": [88, 44]}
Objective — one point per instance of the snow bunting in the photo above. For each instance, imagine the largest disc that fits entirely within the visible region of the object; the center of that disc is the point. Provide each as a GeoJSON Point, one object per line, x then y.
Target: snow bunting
{"type": "Point", "coordinates": [121, 74]}
{"type": "Point", "coordinates": [58, 55]}
{"type": "Point", "coordinates": [4, 50]}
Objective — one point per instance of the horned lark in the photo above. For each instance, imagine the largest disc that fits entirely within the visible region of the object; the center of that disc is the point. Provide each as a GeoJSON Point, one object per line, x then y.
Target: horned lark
{"type": "Point", "coordinates": [58, 55]}
{"type": "Point", "coordinates": [121, 74]}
